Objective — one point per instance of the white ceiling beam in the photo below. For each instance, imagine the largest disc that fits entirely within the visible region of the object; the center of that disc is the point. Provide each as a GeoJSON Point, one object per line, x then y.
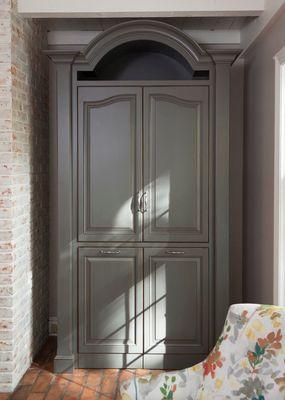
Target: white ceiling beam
{"type": "Point", "coordinates": [201, 36]}
{"type": "Point", "coordinates": [146, 8]}
{"type": "Point", "coordinates": [251, 32]}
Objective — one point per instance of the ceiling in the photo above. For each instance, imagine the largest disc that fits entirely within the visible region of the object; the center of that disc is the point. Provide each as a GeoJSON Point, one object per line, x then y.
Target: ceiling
{"type": "Point", "coordinates": [237, 24]}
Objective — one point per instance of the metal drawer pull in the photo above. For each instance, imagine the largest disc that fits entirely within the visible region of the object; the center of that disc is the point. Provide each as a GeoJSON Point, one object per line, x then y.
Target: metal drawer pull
{"type": "Point", "coordinates": [110, 252]}
{"type": "Point", "coordinates": [174, 252]}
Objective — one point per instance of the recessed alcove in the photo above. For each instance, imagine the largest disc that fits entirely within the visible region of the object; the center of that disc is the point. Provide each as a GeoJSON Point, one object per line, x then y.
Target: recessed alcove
{"type": "Point", "coordinates": [143, 60]}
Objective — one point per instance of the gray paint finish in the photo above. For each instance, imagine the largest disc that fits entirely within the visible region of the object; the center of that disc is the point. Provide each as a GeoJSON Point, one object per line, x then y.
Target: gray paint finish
{"type": "Point", "coordinates": [112, 311]}
{"type": "Point", "coordinates": [176, 164]}
{"type": "Point", "coordinates": [110, 300]}
{"type": "Point", "coordinates": [236, 167]}
{"type": "Point", "coordinates": [197, 58]}
{"type": "Point", "coordinates": [259, 164]}
{"type": "Point", "coordinates": [175, 159]}
{"type": "Point", "coordinates": [109, 360]}
{"type": "Point", "coordinates": [61, 114]}
{"type": "Point", "coordinates": [236, 181]}
{"type": "Point", "coordinates": [176, 300]}
{"type": "Point", "coordinates": [222, 193]}
{"type": "Point", "coordinates": [109, 160]}
{"type": "Point", "coordinates": [172, 361]}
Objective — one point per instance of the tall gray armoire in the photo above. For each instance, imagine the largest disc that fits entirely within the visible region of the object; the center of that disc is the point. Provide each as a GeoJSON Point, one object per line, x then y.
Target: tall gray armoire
{"type": "Point", "coordinates": [140, 134]}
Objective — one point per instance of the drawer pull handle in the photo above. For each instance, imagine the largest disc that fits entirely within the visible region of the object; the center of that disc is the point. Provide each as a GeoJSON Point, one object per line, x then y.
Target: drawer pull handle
{"type": "Point", "coordinates": [143, 203]}
{"type": "Point", "coordinates": [174, 252]}
{"type": "Point", "coordinates": [110, 252]}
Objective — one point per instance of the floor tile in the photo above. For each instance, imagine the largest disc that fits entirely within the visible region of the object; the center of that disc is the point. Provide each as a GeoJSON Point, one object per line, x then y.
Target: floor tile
{"type": "Point", "coordinates": [21, 393]}
{"type": "Point", "coordinates": [43, 382]}
{"type": "Point", "coordinates": [94, 379]}
{"type": "Point", "coordinates": [73, 389]}
{"type": "Point", "coordinates": [30, 376]}
{"type": "Point", "coordinates": [57, 389]}
{"type": "Point", "coordinates": [89, 394]}
{"type": "Point", "coordinates": [110, 382]}
{"type": "Point", "coordinates": [126, 374]}
{"type": "Point", "coordinates": [40, 383]}
{"type": "Point", "coordinates": [36, 396]}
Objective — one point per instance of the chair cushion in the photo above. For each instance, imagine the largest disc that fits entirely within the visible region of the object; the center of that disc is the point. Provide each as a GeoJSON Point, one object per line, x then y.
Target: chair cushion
{"type": "Point", "coordinates": [247, 362]}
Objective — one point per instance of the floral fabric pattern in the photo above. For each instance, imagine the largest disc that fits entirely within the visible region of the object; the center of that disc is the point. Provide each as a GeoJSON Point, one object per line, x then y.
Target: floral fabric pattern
{"type": "Point", "coordinates": [247, 363]}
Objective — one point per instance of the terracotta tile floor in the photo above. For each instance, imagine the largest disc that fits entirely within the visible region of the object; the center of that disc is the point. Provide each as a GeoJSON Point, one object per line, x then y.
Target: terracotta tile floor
{"type": "Point", "coordinates": [40, 382]}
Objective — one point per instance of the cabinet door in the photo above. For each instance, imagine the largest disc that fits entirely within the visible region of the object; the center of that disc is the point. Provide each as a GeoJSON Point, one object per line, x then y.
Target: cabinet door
{"type": "Point", "coordinates": [109, 163]}
{"type": "Point", "coordinates": [176, 301]}
{"type": "Point", "coordinates": [176, 164]}
{"type": "Point", "coordinates": [110, 301]}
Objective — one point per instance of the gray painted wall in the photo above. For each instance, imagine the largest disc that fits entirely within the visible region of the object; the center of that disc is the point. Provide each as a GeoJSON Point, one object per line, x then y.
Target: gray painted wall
{"type": "Point", "coordinates": [259, 164]}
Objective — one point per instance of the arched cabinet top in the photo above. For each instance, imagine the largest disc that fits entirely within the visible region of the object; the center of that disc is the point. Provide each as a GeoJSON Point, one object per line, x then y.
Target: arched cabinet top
{"type": "Point", "coordinates": [144, 30]}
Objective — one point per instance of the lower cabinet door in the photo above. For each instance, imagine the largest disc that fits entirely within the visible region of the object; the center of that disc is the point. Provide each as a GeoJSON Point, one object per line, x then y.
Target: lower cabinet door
{"type": "Point", "coordinates": [110, 307]}
{"type": "Point", "coordinates": [130, 319]}
{"type": "Point", "coordinates": [176, 304]}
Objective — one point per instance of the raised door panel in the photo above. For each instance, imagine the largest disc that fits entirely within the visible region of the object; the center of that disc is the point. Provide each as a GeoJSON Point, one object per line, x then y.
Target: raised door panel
{"type": "Point", "coordinates": [109, 163]}
{"type": "Point", "coordinates": [176, 164]}
{"type": "Point", "coordinates": [110, 300]}
{"type": "Point", "coordinates": [176, 301]}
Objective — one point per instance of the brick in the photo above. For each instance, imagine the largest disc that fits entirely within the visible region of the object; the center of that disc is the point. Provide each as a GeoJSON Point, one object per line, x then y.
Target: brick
{"type": "Point", "coordinates": [57, 389]}
{"type": "Point", "coordinates": [73, 389]}
{"type": "Point", "coordinates": [23, 168]}
{"type": "Point", "coordinates": [30, 376]}
{"type": "Point", "coordinates": [43, 381]}
{"type": "Point", "coordinates": [70, 398]}
{"type": "Point", "coordinates": [88, 394]}
{"type": "Point", "coordinates": [79, 376]}
{"type": "Point", "coordinates": [94, 379]}
{"type": "Point", "coordinates": [82, 384]}
{"type": "Point", "coordinates": [36, 396]}
{"type": "Point", "coordinates": [142, 372]}
{"type": "Point", "coordinates": [126, 374]}
{"type": "Point", "coordinates": [110, 380]}
{"type": "Point", "coordinates": [21, 393]}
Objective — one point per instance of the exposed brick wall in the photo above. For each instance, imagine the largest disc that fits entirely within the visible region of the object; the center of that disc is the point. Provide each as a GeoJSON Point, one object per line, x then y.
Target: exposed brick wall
{"type": "Point", "coordinates": [23, 193]}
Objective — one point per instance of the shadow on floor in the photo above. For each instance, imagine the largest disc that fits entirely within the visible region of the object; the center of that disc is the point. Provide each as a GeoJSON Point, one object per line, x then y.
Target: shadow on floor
{"type": "Point", "coordinates": [41, 383]}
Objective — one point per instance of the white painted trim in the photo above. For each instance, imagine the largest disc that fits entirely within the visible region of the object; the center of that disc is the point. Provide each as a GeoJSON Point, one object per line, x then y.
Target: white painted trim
{"type": "Point", "coordinates": [146, 8]}
{"type": "Point", "coordinates": [81, 37]}
{"type": "Point", "coordinates": [279, 180]}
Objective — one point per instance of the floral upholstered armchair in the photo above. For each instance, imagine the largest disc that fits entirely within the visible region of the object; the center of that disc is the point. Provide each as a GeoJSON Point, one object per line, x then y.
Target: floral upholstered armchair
{"type": "Point", "coordinates": [247, 363]}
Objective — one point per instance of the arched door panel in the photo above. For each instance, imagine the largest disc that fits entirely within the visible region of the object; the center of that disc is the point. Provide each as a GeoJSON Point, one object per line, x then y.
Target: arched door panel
{"type": "Point", "coordinates": [109, 163]}
{"type": "Point", "coordinates": [176, 164]}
